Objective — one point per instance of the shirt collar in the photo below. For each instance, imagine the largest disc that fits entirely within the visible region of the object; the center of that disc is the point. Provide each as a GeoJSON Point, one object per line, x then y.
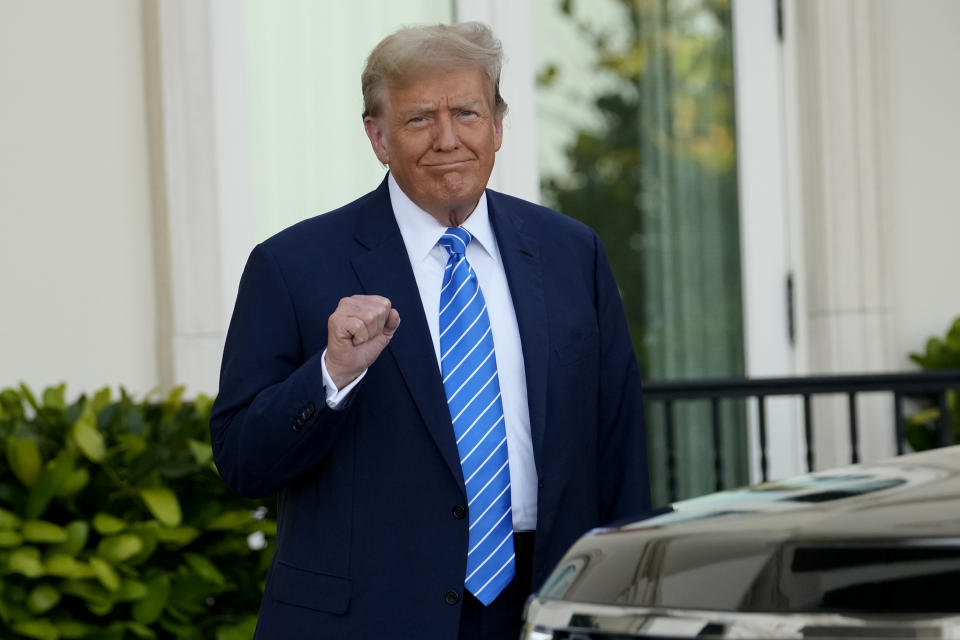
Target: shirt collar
{"type": "Point", "coordinates": [420, 230]}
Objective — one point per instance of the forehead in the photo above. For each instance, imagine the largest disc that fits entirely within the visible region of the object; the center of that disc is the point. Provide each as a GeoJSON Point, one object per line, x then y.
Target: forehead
{"type": "Point", "coordinates": [441, 87]}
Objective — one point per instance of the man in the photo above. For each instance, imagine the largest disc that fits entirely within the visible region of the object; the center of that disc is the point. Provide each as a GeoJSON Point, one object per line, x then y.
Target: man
{"type": "Point", "coordinates": [431, 471]}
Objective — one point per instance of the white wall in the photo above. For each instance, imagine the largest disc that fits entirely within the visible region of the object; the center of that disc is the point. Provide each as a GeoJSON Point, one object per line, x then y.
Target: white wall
{"type": "Point", "coordinates": [77, 302]}
{"type": "Point", "coordinates": [76, 243]}
{"type": "Point", "coordinates": [869, 101]}
{"type": "Point", "coordinates": [922, 98]}
{"type": "Point", "coordinates": [309, 152]}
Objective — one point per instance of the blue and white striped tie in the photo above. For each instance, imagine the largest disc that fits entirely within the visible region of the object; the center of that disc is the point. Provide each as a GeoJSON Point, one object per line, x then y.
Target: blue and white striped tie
{"type": "Point", "coordinates": [469, 369]}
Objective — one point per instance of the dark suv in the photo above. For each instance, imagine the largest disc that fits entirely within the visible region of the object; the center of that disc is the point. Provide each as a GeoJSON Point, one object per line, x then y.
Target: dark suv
{"type": "Point", "coordinates": [864, 551]}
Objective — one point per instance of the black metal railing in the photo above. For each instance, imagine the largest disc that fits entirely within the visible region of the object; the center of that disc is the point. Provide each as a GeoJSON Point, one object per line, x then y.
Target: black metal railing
{"type": "Point", "coordinates": [931, 385]}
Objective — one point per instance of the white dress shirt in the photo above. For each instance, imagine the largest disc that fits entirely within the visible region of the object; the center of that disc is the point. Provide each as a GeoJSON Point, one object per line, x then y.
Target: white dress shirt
{"type": "Point", "coordinates": [420, 232]}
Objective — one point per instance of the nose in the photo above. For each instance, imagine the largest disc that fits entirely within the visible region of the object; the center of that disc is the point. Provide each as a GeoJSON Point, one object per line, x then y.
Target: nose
{"type": "Point", "coordinates": [445, 137]}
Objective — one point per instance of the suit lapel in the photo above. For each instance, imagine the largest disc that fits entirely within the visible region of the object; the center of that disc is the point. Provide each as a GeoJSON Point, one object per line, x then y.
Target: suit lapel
{"type": "Point", "coordinates": [520, 253]}
{"type": "Point", "coordinates": [384, 269]}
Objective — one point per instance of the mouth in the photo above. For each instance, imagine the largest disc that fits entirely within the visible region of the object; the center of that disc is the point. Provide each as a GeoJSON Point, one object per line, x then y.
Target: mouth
{"type": "Point", "coordinates": [453, 164]}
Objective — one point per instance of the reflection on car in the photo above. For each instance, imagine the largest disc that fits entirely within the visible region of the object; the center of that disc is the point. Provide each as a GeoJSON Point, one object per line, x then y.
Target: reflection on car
{"type": "Point", "coordinates": [864, 551]}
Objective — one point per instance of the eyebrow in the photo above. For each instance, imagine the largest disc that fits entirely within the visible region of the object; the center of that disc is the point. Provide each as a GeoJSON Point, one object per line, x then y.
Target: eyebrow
{"type": "Point", "coordinates": [419, 109]}
{"type": "Point", "coordinates": [429, 107]}
{"type": "Point", "coordinates": [471, 105]}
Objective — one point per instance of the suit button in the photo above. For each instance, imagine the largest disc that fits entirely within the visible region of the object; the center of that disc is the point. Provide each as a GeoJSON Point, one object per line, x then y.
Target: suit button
{"type": "Point", "coordinates": [298, 423]}
{"type": "Point", "coordinates": [451, 597]}
{"type": "Point", "coordinates": [309, 411]}
{"type": "Point", "coordinates": [459, 512]}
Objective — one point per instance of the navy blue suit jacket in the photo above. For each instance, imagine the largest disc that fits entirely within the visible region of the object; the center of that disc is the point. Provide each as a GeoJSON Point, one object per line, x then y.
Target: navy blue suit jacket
{"type": "Point", "coordinates": [368, 545]}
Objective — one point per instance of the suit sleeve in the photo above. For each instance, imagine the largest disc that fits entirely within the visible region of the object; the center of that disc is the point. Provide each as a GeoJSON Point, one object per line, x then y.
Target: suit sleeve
{"type": "Point", "coordinates": [270, 422]}
{"type": "Point", "coordinates": [622, 464]}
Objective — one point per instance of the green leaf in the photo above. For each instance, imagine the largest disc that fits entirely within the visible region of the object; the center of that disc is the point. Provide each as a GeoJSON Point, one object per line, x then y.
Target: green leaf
{"type": "Point", "coordinates": [10, 403]}
{"type": "Point", "coordinates": [26, 562]}
{"type": "Point", "coordinates": [924, 417]}
{"type": "Point", "coordinates": [148, 609]}
{"type": "Point", "coordinates": [230, 520]}
{"type": "Point", "coordinates": [204, 568]}
{"type": "Point", "coordinates": [24, 458]}
{"type": "Point", "coordinates": [10, 538]}
{"type": "Point", "coordinates": [202, 404]}
{"type": "Point", "coordinates": [147, 531]}
{"type": "Point", "coordinates": [175, 399]}
{"type": "Point", "coordinates": [29, 397]}
{"type": "Point", "coordinates": [134, 422]}
{"type": "Point", "coordinates": [72, 412]}
{"type": "Point", "coordinates": [163, 504]}
{"type": "Point", "coordinates": [202, 452]}
{"type": "Point", "coordinates": [116, 549]}
{"type": "Point", "coordinates": [42, 598]}
{"type": "Point", "coordinates": [101, 608]}
{"type": "Point", "coordinates": [141, 631]}
{"type": "Point", "coordinates": [8, 613]}
{"type": "Point", "coordinates": [105, 573]}
{"type": "Point", "coordinates": [115, 631]}
{"type": "Point", "coordinates": [131, 590]}
{"type": "Point", "coordinates": [181, 630]}
{"type": "Point", "coordinates": [242, 630]}
{"type": "Point", "coordinates": [177, 535]}
{"type": "Point", "coordinates": [106, 524]}
{"type": "Point", "coordinates": [101, 399]}
{"type": "Point", "coordinates": [8, 520]}
{"type": "Point", "coordinates": [48, 483]}
{"type": "Point", "coordinates": [64, 566]}
{"type": "Point", "coordinates": [85, 589]}
{"type": "Point", "coordinates": [920, 437]}
{"type": "Point", "coordinates": [133, 445]}
{"type": "Point", "coordinates": [43, 532]}
{"type": "Point", "coordinates": [41, 629]}
{"type": "Point", "coordinates": [75, 482]}
{"type": "Point", "coordinates": [54, 397]}
{"type": "Point", "coordinates": [77, 533]}
{"type": "Point", "coordinates": [71, 629]}
{"type": "Point", "coordinates": [89, 439]}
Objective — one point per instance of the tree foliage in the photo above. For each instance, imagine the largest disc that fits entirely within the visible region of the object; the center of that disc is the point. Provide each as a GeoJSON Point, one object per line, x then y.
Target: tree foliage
{"type": "Point", "coordinates": [661, 155]}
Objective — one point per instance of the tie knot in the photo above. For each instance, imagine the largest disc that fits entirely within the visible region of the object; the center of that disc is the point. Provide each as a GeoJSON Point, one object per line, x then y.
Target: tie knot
{"type": "Point", "coordinates": [455, 240]}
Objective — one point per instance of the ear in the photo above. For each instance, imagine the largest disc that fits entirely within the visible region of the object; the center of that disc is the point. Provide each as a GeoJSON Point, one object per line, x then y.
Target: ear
{"type": "Point", "coordinates": [497, 131]}
{"type": "Point", "coordinates": [375, 133]}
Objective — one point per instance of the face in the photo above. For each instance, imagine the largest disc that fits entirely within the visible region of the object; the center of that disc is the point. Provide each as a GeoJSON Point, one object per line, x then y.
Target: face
{"type": "Point", "coordinates": [439, 136]}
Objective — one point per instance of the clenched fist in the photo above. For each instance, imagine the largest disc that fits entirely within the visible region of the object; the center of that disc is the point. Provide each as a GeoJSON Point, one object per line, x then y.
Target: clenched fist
{"type": "Point", "coordinates": [357, 331]}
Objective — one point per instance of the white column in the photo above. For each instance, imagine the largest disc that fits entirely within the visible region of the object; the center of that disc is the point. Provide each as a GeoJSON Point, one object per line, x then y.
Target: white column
{"type": "Point", "coordinates": [516, 169]}
{"type": "Point", "coordinates": [834, 46]}
{"type": "Point", "coordinates": [197, 163]}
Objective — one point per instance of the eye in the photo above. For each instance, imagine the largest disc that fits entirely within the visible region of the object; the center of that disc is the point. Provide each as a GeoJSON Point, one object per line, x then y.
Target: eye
{"type": "Point", "coordinates": [466, 113]}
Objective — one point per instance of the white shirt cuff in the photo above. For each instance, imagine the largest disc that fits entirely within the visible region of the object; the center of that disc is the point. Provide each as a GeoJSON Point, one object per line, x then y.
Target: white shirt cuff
{"type": "Point", "coordinates": [336, 397]}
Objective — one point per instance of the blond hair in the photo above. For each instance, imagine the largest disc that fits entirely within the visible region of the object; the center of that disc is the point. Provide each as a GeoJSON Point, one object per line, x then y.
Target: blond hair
{"type": "Point", "coordinates": [414, 52]}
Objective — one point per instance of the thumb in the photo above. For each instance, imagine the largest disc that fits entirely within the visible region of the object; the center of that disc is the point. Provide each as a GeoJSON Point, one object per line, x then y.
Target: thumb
{"type": "Point", "coordinates": [393, 321]}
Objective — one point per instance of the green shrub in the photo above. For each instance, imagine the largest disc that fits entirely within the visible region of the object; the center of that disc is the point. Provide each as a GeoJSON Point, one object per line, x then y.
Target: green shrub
{"type": "Point", "coordinates": [115, 524]}
{"type": "Point", "coordinates": [921, 427]}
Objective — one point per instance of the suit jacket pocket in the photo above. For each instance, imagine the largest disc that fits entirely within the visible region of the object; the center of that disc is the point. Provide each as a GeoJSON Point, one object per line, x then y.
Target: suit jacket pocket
{"type": "Point", "coordinates": [310, 589]}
